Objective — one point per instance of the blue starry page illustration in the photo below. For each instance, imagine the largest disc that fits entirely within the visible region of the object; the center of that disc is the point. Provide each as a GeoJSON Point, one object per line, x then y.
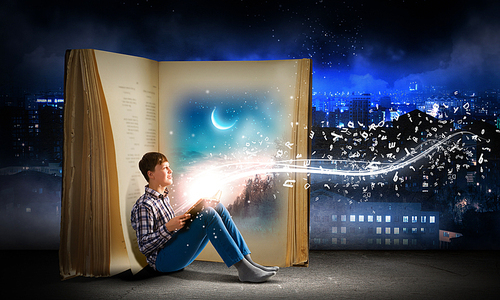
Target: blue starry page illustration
{"type": "Point", "coordinates": [232, 126]}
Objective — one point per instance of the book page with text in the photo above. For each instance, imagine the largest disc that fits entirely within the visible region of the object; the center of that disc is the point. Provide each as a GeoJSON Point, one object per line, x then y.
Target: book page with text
{"type": "Point", "coordinates": [130, 86]}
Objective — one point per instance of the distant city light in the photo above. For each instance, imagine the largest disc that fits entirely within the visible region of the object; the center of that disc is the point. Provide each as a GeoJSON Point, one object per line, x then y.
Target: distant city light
{"type": "Point", "coordinates": [413, 86]}
{"type": "Point", "coordinates": [41, 100]}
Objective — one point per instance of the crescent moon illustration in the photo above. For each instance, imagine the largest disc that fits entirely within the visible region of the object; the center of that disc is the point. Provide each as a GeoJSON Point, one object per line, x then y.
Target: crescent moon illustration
{"type": "Point", "coordinates": [219, 126]}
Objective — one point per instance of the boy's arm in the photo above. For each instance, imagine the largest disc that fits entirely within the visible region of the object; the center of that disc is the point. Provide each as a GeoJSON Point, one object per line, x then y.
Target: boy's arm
{"type": "Point", "coordinates": [148, 238]}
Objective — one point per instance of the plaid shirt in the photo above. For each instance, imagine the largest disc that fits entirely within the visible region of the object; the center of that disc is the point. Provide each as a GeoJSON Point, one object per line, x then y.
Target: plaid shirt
{"type": "Point", "coordinates": [149, 216]}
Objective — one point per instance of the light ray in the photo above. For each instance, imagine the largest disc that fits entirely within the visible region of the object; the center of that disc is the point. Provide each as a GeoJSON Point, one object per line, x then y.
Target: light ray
{"type": "Point", "coordinates": [233, 172]}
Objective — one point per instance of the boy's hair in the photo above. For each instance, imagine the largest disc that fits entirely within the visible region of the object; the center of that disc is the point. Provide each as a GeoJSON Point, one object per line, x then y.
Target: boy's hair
{"type": "Point", "coordinates": [149, 162]}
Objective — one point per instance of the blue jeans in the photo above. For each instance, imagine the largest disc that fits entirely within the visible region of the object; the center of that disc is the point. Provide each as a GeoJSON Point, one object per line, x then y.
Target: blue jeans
{"type": "Point", "coordinates": [211, 224]}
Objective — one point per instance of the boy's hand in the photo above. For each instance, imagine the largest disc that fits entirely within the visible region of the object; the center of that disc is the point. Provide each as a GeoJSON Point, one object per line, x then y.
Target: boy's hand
{"type": "Point", "coordinates": [178, 222]}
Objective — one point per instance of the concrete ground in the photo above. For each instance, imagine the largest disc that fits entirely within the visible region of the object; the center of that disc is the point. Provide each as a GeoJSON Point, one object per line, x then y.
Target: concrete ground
{"type": "Point", "coordinates": [330, 275]}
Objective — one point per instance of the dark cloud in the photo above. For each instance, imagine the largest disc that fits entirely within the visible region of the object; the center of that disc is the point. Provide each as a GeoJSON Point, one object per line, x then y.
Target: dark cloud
{"type": "Point", "coordinates": [352, 44]}
{"type": "Point", "coordinates": [437, 42]}
{"type": "Point", "coordinates": [37, 38]}
{"type": "Point", "coordinates": [474, 61]}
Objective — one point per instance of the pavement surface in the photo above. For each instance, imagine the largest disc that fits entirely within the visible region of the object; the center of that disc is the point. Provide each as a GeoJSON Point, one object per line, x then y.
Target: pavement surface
{"type": "Point", "coordinates": [32, 274]}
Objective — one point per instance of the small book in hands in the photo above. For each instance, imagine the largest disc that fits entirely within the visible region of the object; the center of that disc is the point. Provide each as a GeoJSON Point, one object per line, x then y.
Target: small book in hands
{"type": "Point", "coordinates": [203, 203]}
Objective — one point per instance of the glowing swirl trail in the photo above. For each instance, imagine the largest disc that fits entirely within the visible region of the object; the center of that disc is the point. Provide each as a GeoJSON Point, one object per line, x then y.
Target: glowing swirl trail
{"type": "Point", "coordinates": [246, 169]}
{"type": "Point", "coordinates": [224, 174]}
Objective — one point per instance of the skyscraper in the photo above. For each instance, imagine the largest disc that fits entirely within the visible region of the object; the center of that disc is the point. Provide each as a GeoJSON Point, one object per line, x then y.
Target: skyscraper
{"type": "Point", "coordinates": [358, 110]}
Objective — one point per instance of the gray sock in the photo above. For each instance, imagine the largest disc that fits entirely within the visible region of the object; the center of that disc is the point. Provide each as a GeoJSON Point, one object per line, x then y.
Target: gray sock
{"type": "Point", "coordinates": [267, 269]}
{"type": "Point", "coordinates": [248, 273]}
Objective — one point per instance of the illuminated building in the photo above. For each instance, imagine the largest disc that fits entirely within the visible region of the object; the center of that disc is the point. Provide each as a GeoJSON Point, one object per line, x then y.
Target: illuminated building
{"type": "Point", "coordinates": [33, 130]}
{"type": "Point", "coordinates": [13, 132]}
{"type": "Point", "coordinates": [359, 109]}
{"type": "Point", "coordinates": [385, 106]}
{"type": "Point", "coordinates": [338, 223]}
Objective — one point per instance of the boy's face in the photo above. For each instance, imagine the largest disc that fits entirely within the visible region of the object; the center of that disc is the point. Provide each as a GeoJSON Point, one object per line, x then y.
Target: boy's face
{"type": "Point", "coordinates": [162, 175]}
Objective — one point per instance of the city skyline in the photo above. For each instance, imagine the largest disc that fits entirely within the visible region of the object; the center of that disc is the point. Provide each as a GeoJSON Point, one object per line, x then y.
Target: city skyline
{"type": "Point", "coordinates": [428, 186]}
{"type": "Point", "coordinates": [34, 116]}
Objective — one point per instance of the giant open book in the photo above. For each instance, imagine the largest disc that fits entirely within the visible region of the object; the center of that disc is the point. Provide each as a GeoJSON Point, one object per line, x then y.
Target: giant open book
{"type": "Point", "coordinates": [241, 127]}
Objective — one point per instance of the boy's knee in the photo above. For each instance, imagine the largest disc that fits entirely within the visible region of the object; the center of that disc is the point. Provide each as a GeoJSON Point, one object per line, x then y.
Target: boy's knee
{"type": "Point", "coordinates": [208, 211]}
{"type": "Point", "coordinates": [219, 207]}
{"type": "Point", "coordinates": [211, 212]}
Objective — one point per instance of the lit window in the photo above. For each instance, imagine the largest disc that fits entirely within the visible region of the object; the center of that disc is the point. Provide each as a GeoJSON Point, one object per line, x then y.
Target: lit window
{"type": "Point", "coordinates": [388, 230]}
{"type": "Point", "coordinates": [432, 219]}
{"type": "Point", "coordinates": [396, 241]}
{"type": "Point", "coordinates": [334, 229]}
{"type": "Point", "coordinates": [396, 230]}
{"type": "Point", "coordinates": [379, 219]}
{"type": "Point", "coordinates": [334, 218]}
{"type": "Point", "coordinates": [405, 241]}
{"type": "Point", "coordinates": [343, 218]}
{"type": "Point", "coordinates": [343, 241]}
{"type": "Point", "coordinates": [379, 230]}
{"type": "Point", "coordinates": [422, 230]}
{"type": "Point", "coordinates": [413, 230]}
{"type": "Point", "coordinates": [343, 229]}
{"type": "Point", "coordinates": [387, 219]}
{"type": "Point", "coordinates": [370, 218]}
{"type": "Point", "coordinates": [334, 241]}
{"type": "Point", "coordinates": [446, 234]}
{"type": "Point", "coordinates": [414, 219]}
{"type": "Point", "coordinates": [405, 219]}
{"type": "Point", "coordinates": [423, 219]}
{"type": "Point", "coordinates": [405, 230]}
{"type": "Point", "coordinates": [361, 218]}
{"type": "Point", "coordinates": [379, 241]}
{"type": "Point", "coordinates": [387, 241]}
{"type": "Point", "coordinates": [352, 218]}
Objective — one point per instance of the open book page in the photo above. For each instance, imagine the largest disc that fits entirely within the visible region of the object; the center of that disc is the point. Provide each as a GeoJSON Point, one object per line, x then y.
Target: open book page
{"type": "Point", "coordinates": [130, 86]}
{"type": "Point", "coordinates": [228, 126]}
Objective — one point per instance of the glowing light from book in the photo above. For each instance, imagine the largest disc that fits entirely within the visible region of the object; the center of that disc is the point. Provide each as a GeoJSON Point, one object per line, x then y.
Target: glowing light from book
{"type": "Point", "coordinates": [204, 186]}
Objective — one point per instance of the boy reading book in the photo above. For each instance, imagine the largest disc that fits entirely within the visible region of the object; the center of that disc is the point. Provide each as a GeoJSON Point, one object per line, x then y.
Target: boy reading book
{"type": "Point", "coordinates": [168, 248]}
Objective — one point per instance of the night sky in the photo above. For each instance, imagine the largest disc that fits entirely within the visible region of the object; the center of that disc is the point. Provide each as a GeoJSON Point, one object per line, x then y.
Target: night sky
{"type": "Point", "coordinates": [223, 124]}
{"type": "Point", "coordinates": [364, 46]}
